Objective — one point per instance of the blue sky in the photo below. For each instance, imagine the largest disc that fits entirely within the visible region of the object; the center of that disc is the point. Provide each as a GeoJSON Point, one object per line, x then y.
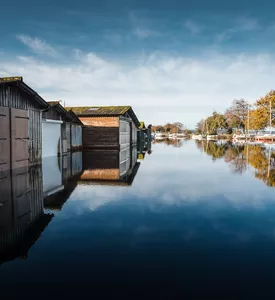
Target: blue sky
{"type": "Point", "coordinates": [170, 60]}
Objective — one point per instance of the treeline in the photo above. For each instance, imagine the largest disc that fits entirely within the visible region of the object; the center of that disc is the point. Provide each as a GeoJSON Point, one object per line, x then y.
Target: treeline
{"type": "Point", "coordinates": [176, 127]}
{"type": "Point", "coordinates": [241, 115]}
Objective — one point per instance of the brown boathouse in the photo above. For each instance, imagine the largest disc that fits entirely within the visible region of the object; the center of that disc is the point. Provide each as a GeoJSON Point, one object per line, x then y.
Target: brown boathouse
{"type": "Point", "coordinates": [108, 127]}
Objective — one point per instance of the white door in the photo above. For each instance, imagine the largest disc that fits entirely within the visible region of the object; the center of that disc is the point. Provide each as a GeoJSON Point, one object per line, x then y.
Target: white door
{"type": "Point", "coordinates": [51, 163]}
{"type": "Point", "coordinates": [51, 136]}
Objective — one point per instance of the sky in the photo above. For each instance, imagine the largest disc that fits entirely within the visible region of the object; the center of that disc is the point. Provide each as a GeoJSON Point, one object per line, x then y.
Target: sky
{"type": "Point", "coordinates": [170, 60]}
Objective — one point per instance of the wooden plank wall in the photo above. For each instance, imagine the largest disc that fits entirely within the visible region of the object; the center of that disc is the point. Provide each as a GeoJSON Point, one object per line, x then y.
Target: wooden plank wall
{"type": "Point", "coordinates": [100, 137]}
{"type": "Point", "coordinates": [51, 114]}
{"type": "Point", "coordinates": [21, 214]}
{"type": "Point", "coordinates": [35, 136]}
{"type": "Point", "coordinates": [12, 96]}
{"type": "Point", "coordinates": [36, 186]}
{"type": "Point", "coordinates": [76, 136]}
{"type": "Point", "coordinates": [68, 135]}
{"type": "Point", "coordinates": [97, 159]}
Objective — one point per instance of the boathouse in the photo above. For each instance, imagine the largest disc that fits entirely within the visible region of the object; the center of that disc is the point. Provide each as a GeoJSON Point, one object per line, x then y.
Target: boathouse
{"type": "Point", "coordinates": [20, 124]}
{"type": "Point", "coordinates": [31, 128]}
{"type": "Point", "coordinates": [144, 133]}
{"type": "Point", "coordinates": [108, 127]}
{"type": "Point", "coordinates": [70, 128]}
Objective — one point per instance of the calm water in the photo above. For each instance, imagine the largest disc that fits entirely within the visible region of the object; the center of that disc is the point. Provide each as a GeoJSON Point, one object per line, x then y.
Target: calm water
{"type": "Point", "coordinates": [195, 219]}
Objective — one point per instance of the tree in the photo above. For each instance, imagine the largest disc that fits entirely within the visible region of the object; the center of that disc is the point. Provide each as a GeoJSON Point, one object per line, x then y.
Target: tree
{"type": "Point", "coordinates": [263, 109]}
{"type": "Point", "coordinates": [257, 119]}
{"type": "Point", "coordinates": [236, 114]}
{"type": "Point", "coordinates": [199, 127]}
{"type": "Point", "coordinates": [215, 122]}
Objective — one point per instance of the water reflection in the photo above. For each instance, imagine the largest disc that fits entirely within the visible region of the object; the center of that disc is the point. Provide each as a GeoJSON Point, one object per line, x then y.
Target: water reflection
{"type": "Point", "coordinates": [25, 193]}
{"type": "Point", "coordinates": [240, 157]}
{"type": "Point", "coordinates": [110, 167]}
{"type": "Point", "coordinates": [144, 147]}
{"type": "Point", "coordinates": [177, 143]}
{"type": "Point", "coordinates": [180, 223]}
{"type": "Point", "coordinates": [22, 218]}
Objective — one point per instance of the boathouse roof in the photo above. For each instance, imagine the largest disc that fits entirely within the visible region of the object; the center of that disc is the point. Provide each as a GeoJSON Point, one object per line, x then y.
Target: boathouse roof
{"type": "Point", "coordinates": [68, 115]}
{"type": "Point", "coordinates": [105, 111]}
{"type": "Point", "coordinates": [142, 125]}
{"type": "Point", "coordinates": [18, 81]}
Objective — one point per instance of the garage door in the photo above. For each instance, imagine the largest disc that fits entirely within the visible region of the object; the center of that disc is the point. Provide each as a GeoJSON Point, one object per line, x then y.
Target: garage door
{"type": "Point", "coordinates": [51, 133]}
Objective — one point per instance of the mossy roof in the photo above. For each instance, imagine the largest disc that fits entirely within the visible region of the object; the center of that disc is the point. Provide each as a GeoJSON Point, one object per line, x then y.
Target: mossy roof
{"type": "Point", "coordinates": [100, 111]}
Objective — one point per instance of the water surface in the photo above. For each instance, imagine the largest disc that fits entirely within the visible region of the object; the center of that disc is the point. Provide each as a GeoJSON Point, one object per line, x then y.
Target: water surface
{"type": "Point", "coordinates": [195, 219]}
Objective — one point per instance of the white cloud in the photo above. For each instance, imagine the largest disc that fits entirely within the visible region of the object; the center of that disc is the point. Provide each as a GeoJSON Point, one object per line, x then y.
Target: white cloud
{"type": "Point", "coordinates": [160, 88]}
{"type": "Point", "coordinates": [193, 27]}
{"type": "Point", "coordinates": [37, 46]}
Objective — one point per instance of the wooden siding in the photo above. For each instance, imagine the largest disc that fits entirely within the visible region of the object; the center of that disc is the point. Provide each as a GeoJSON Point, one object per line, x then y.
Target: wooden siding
{"type": "Point", "coordinates": [68, 136]}
{"type": "Point", "coordinates": [100, 137]}
{"type": "Point", "coordinates": [77, 163]}
{"type": "Point", "coordinates": [64, 143]}
{"type": "Point", "coordinates": [52, 114]}
{"type": "Point", "coordinates": [21, 206]}
{"type": "Point", "coordinates": [76, 136]}
{"type": "Point", "coordinates": [100, 121]}
{"type": "Point", "coordinates": [101, 174]}
{"type": "Point", "coordinates": [96, 159]}
{"type": "Point", "coordinates": [14, 97]}
{"type": "Point", "coordinates": [35, 136]}
{"type": "Point", "coordinates": [19, 138]}
{"type": "Point", "coordinates": [5, 139]}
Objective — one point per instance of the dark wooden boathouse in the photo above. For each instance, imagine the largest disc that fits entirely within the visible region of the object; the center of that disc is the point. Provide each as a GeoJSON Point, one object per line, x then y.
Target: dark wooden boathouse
{"type": "Point", "coordinates": [31, 128]}
{"type": "Point", "coordinates": [20, 124]}
{"type": "Point", "coordinates": [108, 127]}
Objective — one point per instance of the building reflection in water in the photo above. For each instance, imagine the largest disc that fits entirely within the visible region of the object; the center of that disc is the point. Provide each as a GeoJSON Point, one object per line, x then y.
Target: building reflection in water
{"type": "Point", "coordinates": [22, 217]}
{"type": "Point", "coordinates": [68, 171]}
{"type": "Point", "coordinates": [110, 167]}
{"type": "Point", "coordinates": [144, 147]}
{"type": "Point", "coordinates": [240, 157]}
{"type": "Point", "coordinates": [29, 196]}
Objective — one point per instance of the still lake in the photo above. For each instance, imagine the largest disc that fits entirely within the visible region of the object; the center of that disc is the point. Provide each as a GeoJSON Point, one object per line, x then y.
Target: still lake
{"type": "Point", "coordinates": [196, 219]}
